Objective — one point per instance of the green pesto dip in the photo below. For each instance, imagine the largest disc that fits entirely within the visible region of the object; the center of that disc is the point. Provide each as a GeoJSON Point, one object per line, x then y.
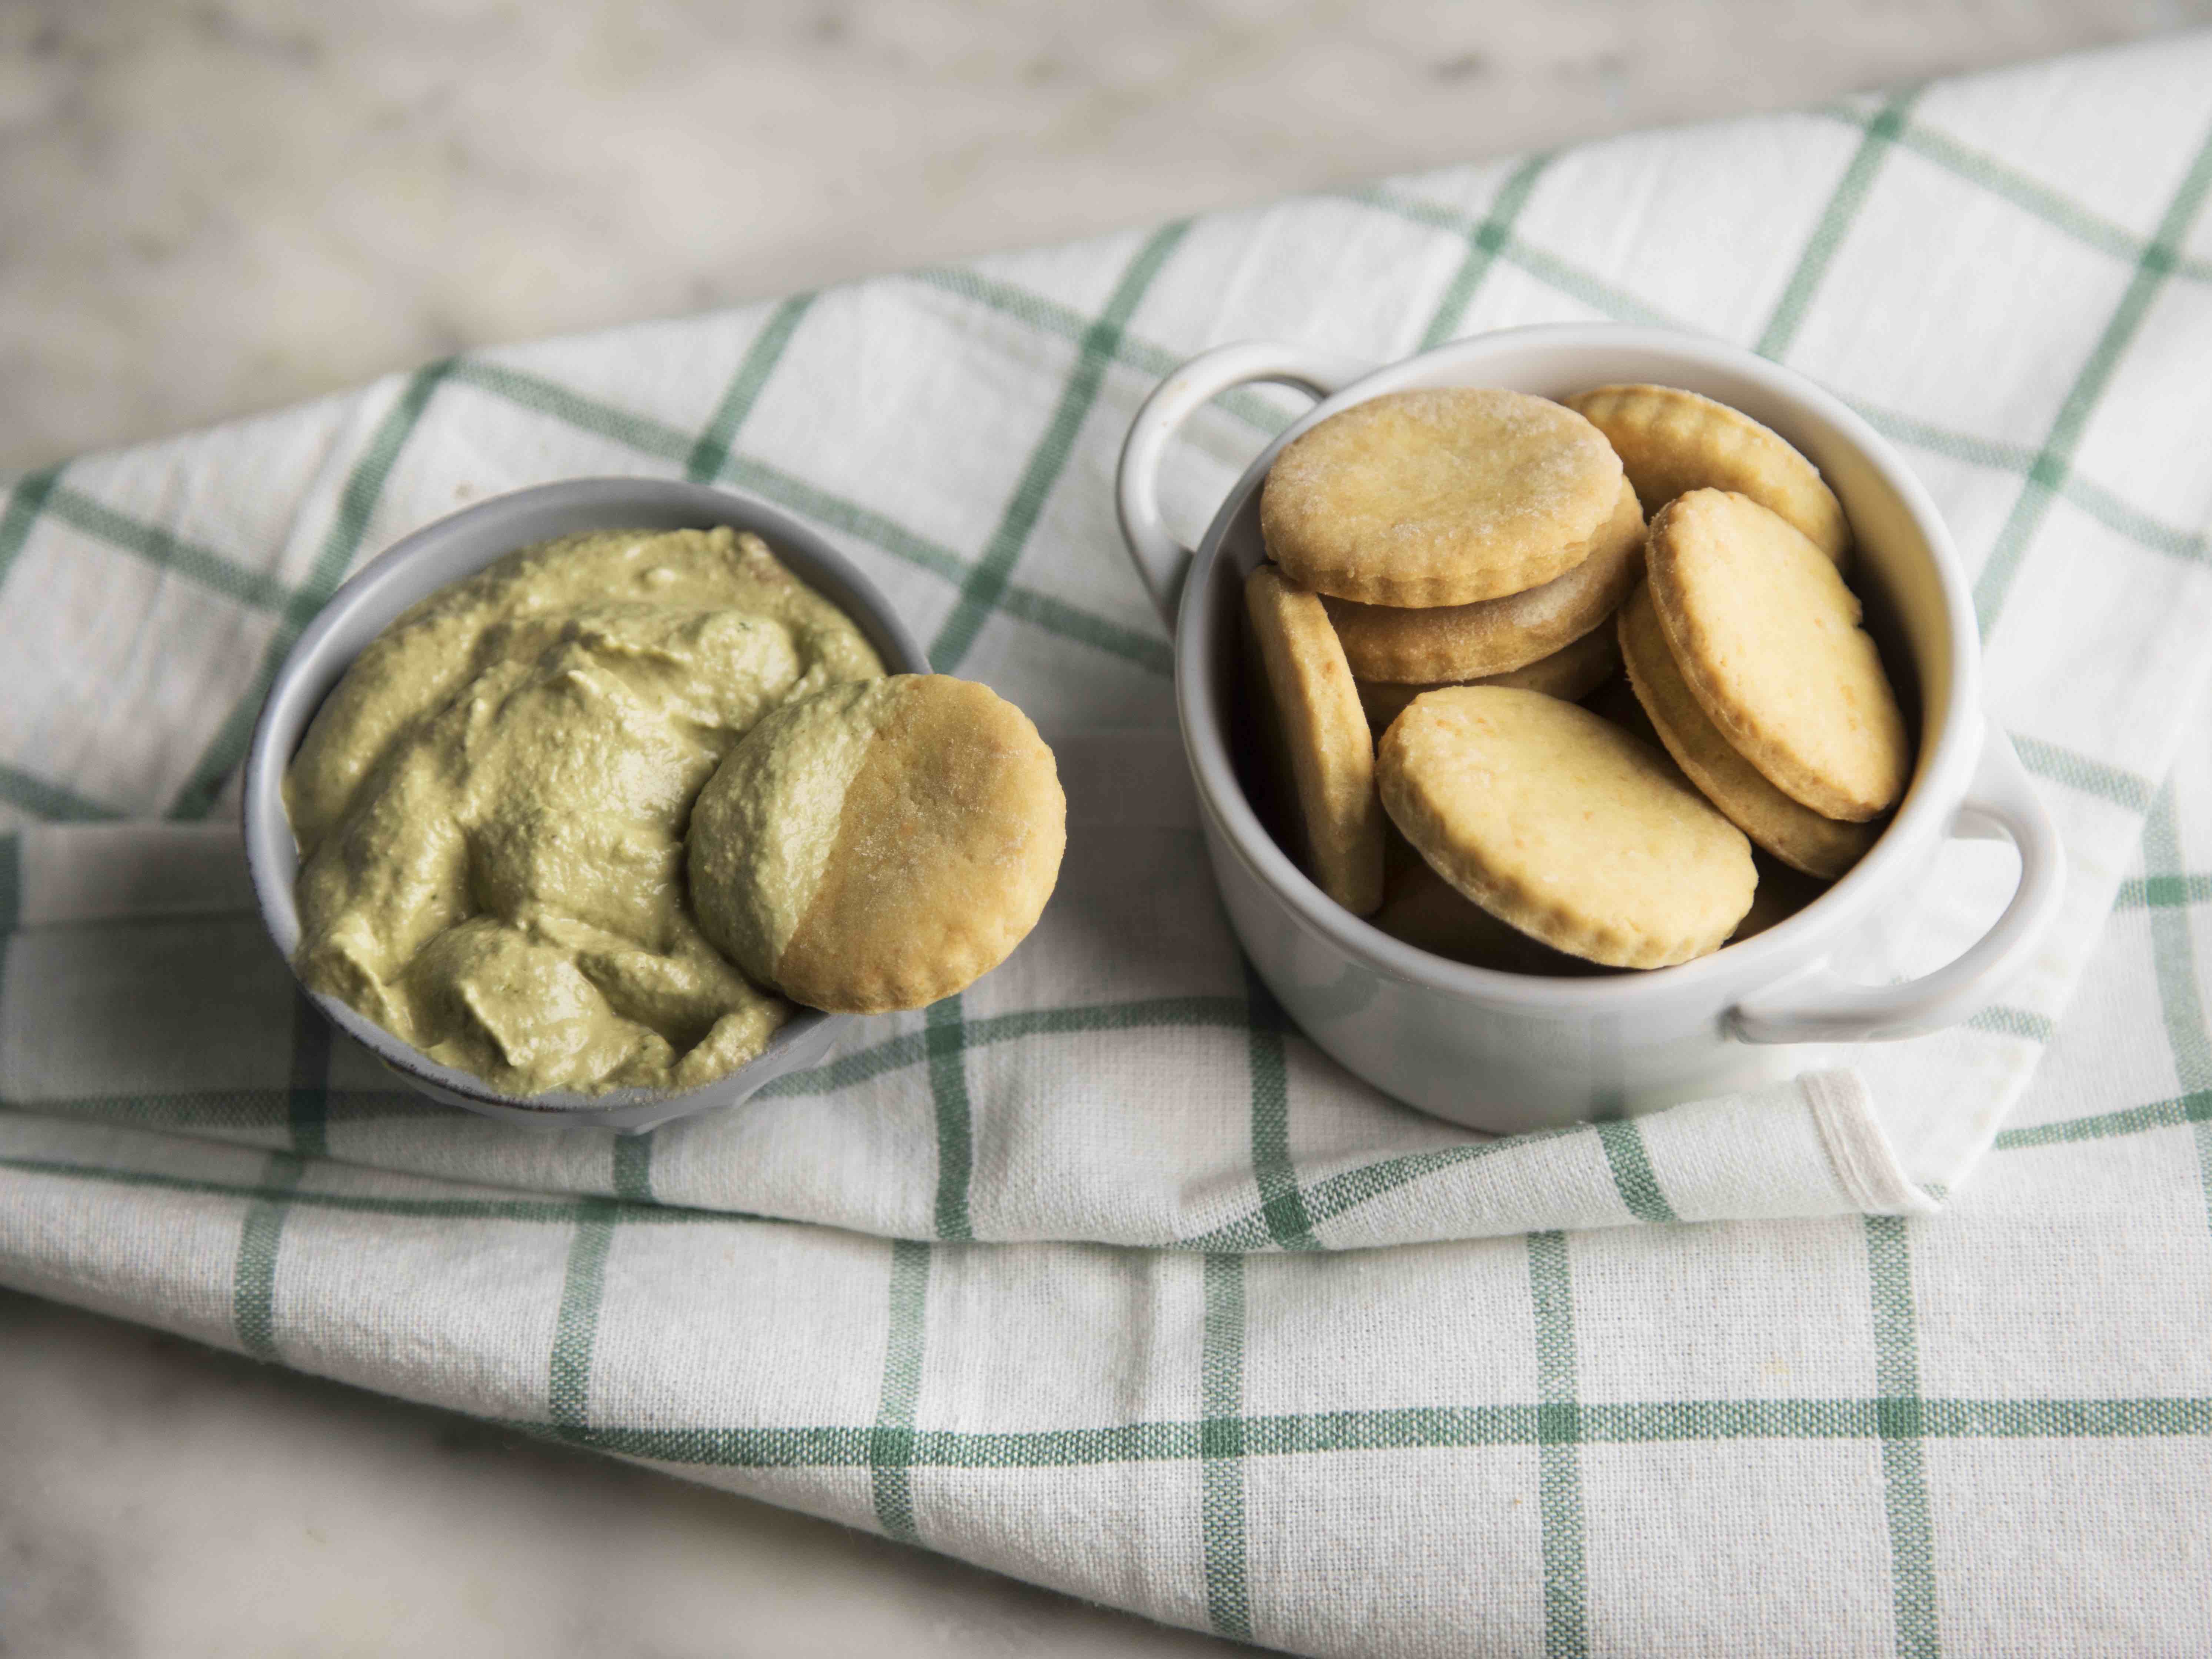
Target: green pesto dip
{"type": "Point", "coordinates": [491, 805]}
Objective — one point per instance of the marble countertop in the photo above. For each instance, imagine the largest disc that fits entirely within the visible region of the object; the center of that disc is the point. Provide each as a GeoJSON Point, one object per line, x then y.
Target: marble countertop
{"type": "Point", "coordinates": [159, 1498]}
{"type": "Point", "coordinates": [222, 207]}
{"type": "Point", "coordinates": [213, 208]}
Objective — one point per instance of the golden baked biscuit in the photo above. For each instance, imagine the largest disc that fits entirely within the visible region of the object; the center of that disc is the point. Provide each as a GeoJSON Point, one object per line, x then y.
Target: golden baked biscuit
{"type": "Point", "coordinates": [1793, 833]}
{"type": "Point", "coordinates": [1316, 709]}
{"type": "Point", "coordinates": [1442, 497]}
{"type": "Point", "coordinates": [1672, 441]}
{"type": "Point", "coordinates": [879, 845]}
{"type": "Point", "coordinates": [1572, 671]}
{"type": "Point", "coordinates": [1562, 824]}
{"type": "Point", "coordinates": [1452, 644]}
{"type": "Point", "coordinates": [1767, 638]}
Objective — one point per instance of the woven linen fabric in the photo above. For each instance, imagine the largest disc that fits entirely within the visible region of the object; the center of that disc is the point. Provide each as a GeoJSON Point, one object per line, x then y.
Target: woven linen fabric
{"type": "Point", "coordinates": [1517, 1423]}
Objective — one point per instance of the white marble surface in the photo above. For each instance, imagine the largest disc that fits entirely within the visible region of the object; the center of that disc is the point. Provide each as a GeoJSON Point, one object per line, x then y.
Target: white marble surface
{"type": "Point", "coordinates": [159, 1499]}
{"type": "Point", "coordinates": [211, 208]}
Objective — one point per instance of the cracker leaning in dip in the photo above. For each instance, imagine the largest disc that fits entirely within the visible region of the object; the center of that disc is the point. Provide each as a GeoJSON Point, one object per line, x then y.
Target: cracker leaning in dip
{"type": "Point", "coordinates": [879, 846]}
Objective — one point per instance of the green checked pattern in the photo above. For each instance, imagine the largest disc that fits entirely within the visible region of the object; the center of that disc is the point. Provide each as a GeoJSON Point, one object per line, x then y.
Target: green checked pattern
{"type": "Point", "coordinates": [1100, 1273]}
{"type": "Point", "coordinates": [1222, 1448]}
{"type": "Point", "coordinates": [1844, 205]}
{"type": "Point", "coordinates": [987, 580]}
{"type": "Point", "coordinates": [1559, 1437]}
{"type": "Point", "coordinates": [1898, 1417]}
{"type": "Point", "coordinates": [891, 1448]}
{"type": "Point", "coordinates": [2181, 988]}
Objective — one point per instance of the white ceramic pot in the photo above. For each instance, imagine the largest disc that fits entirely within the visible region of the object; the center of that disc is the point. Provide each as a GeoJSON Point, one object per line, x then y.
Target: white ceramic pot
{"type": "Point", "coordinates": [1509, 1052]}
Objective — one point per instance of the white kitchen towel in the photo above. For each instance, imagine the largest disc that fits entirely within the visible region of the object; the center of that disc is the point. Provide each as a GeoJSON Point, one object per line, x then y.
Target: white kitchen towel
{"type": "Point", "coordinates": [1983, 1428]}
{"type": "Point", "coordinates": [1123, 1080]}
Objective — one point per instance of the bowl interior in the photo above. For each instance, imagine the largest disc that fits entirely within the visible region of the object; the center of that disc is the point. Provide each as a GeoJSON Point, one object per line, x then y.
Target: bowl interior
{"type": "Point", "coordinates": [1915, 607]}
{"type": "Point", "coordinates": [442, 553]}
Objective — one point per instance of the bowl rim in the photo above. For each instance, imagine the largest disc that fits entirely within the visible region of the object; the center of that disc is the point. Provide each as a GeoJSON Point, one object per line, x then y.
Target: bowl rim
{"type": "Point", "coordinates": [1941, 774]}
{"type": "Point", "coordinates": [386, 586]}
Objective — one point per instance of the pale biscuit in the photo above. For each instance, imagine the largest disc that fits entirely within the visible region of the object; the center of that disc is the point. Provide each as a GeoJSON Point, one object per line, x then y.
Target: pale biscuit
{"type": "Point", "coordinates": [1331, 753]}
{"type": "Point", "coordinates": [1442, 497]}
{"type": "Point", "coordinates": [1452, 644]}
{"type": "Point", "coordinates": [1573, 672]}
{"type": "Point", "coordinates": [1767, 638]}
{"type": "Point", "coordinates": [1793, 833]}
{"type": "Point", "coordinates": [1559, 822]}
{"type": "Point", "coordinates": [879, 846]}
{"type": "Point", "coordinates": [1672, 442]}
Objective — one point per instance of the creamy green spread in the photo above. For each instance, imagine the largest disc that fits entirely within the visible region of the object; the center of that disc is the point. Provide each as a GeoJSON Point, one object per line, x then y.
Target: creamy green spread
{"type": "Point", "coordinates": [491, 806]}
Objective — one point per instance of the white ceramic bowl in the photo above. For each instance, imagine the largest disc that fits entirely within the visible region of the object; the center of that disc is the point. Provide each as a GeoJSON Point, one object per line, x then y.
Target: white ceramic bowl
{"type": "Point", "coordinates": [419, 565]}
{"type": "Point", "coordinates": [1509, 1052]}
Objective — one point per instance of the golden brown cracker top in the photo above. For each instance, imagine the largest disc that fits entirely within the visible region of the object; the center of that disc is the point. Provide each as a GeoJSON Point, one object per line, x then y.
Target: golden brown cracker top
{"type": "Point", "coordinates": [1324, 730]}
{"type": "Point", "coordinates": [1767, 638]}
{"type": "Point", "coordinates": [1672, 442]}
{"type": "Point", "coordinates": [1438, 497]}
{"type": "Point", "coordinates": [1791, 831]}
{"type": "Point", "coordinates": [1559, 822]}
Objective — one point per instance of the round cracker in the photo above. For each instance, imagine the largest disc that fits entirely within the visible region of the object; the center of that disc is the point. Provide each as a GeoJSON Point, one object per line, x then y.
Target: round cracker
{"type": "Point", "coordinates": [1573, 672]}
{"type": "Point", "coordinates": [1672, 441]}
{"type": "Point", "coordinates": [879, 845]}
{"type": "Point", "coordinates": [1317, 711]}
{"type": "Point", "coordinates": [1440, 497]}
{"type": "Point", "coordinates": [1793, 833]}
{"type": "Point", "coordinates": [1767, 638]}
{"type": "Point", "coordinates": [1562, 824]}
{"type": "Point", "coordinates": [1452, 644]}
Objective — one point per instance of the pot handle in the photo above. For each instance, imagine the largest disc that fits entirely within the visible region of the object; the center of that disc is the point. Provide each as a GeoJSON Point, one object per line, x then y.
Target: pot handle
{"type": "Point", "coordinates": [1161, 560]}
{"type": "Point", "coordinates": [1817, 1005]}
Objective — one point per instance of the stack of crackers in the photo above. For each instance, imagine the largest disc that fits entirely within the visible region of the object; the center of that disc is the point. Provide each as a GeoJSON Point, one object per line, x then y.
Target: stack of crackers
{"type": "Point", "coordinates": [1456, 579]}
